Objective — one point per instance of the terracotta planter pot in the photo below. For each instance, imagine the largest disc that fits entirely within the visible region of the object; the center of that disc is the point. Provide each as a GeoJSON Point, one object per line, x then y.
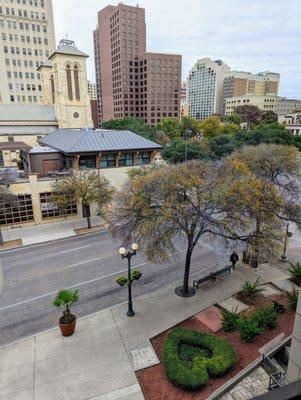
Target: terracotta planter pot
{"type": "Point", "coordinates": [67, 329]}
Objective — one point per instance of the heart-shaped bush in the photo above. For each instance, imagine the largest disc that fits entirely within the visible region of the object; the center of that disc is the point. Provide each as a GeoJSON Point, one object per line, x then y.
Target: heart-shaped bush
{"type": "Point", "coordinates": [191, 357]}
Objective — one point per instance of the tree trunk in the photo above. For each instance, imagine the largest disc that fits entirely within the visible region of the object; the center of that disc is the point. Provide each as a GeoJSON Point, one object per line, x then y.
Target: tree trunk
{"type": "Point", "coordinates": [87, 214]}
{"type": "Point", "coordinates": [187, 269]}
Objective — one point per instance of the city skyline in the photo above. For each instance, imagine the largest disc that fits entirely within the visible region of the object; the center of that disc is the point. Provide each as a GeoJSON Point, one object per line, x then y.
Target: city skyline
{"type": "Point", "coordinates": [256, 37]}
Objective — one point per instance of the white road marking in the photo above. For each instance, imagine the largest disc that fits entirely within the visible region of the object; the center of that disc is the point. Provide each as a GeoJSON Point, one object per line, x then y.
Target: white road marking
{"type": "Point", "coordinates": [68, 251]}
{"type": "Point", "coordinates": [79, 284]}
{"type": "Point", "coordinates": [69, 287]}
{"type": "Point", "coordinates": [80, 263]}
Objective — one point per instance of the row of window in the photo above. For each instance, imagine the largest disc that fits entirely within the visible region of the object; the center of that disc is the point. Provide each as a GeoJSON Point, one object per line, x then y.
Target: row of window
{"type": "Point", "coordinates": [18, 63]}
{"type": "Point", "coordinates": [23, 26]}
{"type": "Point", "coordinates": [21, 87]}
{"type": "Point", "coordinates": [110, 160]}
{"type": "Point", "coordinates": [21, 75]}
{"type": "Point", "coordinates": [22, 13]}
{"type": "Point", "coordinates": [24, 39]}
{"type": "Point", "coordinates": [25, 99]}
{"type": "Point", "coordinates": [35, 3]}
{"type": "Point", "coordinates": [50, 210]}
{"type": "Point", "coordinates": [25, 51]}
{"type": "Point", "coordinates": [20, 208]}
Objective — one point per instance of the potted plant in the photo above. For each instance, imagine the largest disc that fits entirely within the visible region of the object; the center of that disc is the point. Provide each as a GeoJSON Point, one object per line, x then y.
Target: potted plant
{"type": "Point", "coordinates": [64, 299]}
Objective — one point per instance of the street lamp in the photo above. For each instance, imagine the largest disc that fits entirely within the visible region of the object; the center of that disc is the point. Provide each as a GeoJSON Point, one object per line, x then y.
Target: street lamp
{"type": "Point", "coordinates": [186, 134]}
{"type": "Point", "coordinates": [129, 255]}
{"type": "Point", "coordinates": [288, 234]}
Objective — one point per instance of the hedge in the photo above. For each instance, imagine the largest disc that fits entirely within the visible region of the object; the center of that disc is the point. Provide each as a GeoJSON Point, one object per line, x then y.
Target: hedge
{"type": "Point", "coordinates": [195, 375]}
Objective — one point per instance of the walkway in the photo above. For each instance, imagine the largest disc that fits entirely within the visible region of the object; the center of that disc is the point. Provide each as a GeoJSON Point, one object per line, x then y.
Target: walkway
{"type": "Point", "coordinates": [96, 363]}
{"type": "Point", "coordinates": [46, 232]}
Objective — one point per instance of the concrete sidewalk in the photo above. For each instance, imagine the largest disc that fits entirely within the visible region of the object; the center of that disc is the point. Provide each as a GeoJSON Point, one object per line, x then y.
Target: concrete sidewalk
{"type": "Point", "coordinates": [47, 232]}
{"type": "Point", "coordinates": [96, 363]}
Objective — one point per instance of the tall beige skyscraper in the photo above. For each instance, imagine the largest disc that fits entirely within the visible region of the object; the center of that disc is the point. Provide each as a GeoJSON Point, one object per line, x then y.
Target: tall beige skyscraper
{"type": "Point", "coordinates": [205, 88]}
{"type": "Point", "coordinates": [130, 81]}
{"type": "Point", "coordinates": [27, 38]}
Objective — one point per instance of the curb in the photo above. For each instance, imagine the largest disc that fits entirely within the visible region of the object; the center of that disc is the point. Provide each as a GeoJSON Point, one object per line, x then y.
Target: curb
{"type": "Point", "coordinates": [55, 240]}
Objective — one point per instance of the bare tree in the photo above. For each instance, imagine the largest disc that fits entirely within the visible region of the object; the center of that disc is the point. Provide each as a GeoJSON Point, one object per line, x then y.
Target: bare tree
{"type": "Point", "coordinates": [193, 199]}
{"type": "Point", "coordinates": [85, 187]}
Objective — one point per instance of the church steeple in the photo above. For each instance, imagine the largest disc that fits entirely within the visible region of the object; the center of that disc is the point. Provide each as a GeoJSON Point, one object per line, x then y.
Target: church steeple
{"type": "Point", "coordinates": [65, 84]}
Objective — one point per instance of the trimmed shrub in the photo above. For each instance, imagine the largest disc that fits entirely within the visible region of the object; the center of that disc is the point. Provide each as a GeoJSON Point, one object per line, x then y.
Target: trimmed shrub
{"type": "Point", "coordinates": [249, 329]}
{"type": "Point", "coordinates": [191, 357]}
{"type": "Point", "coordinates": [266, 317]}
{"type": "Point", "coordinates": [229, 320]}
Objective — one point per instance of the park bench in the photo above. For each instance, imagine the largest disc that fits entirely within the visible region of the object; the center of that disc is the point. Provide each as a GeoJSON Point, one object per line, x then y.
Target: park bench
{"type": "Point", "coordinates": [212, 276]}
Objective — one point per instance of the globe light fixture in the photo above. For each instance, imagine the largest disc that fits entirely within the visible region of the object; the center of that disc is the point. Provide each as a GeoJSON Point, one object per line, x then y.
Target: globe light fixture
{"type": "Point", "coordinates": [122, 251]}
{"type": "Point", "coordinates": [135, 246]}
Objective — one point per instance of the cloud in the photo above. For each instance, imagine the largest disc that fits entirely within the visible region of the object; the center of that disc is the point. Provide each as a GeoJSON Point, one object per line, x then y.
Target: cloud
{"type": "Point", "coordinates": [252, 35]}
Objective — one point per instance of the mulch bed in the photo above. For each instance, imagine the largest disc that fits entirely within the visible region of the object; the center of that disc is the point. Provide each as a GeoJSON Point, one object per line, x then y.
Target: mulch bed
{"type": "Point", "coordinates": [82, 231]}
{"type": "Point", "coordinates": [12, 244]}
{"type": "Point", "coordinates": [156, 386]}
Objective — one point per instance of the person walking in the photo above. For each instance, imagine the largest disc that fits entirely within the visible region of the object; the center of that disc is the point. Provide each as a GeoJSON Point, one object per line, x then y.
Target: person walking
{"type": "Point", "coordinates": [234, 258]}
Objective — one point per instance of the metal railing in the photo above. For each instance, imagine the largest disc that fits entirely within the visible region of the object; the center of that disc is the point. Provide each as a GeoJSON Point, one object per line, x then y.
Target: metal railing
{"type": "Point", "coordinates": [274, 372]}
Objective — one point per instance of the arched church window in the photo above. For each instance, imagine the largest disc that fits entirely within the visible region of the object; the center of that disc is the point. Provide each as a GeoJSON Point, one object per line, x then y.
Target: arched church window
{"type": "Point", "coordinates": [69, 82]}
{"type": "Point", "coordinates": [52, 88]}
{"type": "Point", "coordinates": [76, 82]}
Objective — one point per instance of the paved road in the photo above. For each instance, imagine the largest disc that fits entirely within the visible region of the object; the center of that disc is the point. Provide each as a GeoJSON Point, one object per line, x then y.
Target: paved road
{"type": "Point", "coordinates": [32, 276]}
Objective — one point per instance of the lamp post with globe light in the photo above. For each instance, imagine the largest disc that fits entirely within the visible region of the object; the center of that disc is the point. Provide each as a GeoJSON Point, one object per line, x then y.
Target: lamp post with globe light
{"type": "Point", "coordinates": [131, 276]}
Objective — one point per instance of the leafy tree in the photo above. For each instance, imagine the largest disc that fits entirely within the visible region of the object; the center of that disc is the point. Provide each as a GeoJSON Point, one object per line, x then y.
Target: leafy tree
{"type": "Point", "coordinates": [85, 187]}
{"type": "Point", "coordinates": [234, 119]}
{"type": "Point", "coordinates": [136, 125]}
{"type": "Point", "coordinates": [273, 133]}
{"type": "Point", "coordinates": [174, 152]}
{"type": "Point", "coordinates": [171, 126]}
{"type": "Point", "coordinates": [230, 128]}
{"type": "Point", "coordinates": [269, 117]}
{"type": "Point", "coordinates": [6, 197]}
{"type": "Point", "coordinates": [161, 138]}
{"type": "Point", "coordinates": [191, 200]}
{"type": "Point", "coordinates": [250, 114]}
{"type": "Point", "coordinates": [222, 145]}
{"type": "Point", "coordinates": [278, 167]}
{"type": "Point", "coordinates": [211, 126]}
{"type": "Point", "coordinates": [190, 124]}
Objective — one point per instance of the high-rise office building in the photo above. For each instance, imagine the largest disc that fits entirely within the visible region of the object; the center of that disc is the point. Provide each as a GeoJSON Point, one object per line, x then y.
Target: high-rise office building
{"type": "Point", "coordinates": [204, 89]}
{"type": "Point", "coordinates": [240, 83]}
{"type": "Point", "coordinates": [27, 39]}
{"type": "Point", "coordinates": [130, 81]}
{"type": "Point", "coordinates": [92, 90]}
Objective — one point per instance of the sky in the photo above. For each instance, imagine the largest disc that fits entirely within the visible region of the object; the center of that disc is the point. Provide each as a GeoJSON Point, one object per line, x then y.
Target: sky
{"type": "Point", "coordinates": [248, 35]}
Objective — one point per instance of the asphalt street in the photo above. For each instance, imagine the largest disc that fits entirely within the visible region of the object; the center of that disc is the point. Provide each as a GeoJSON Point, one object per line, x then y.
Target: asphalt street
{"type": "Point", "coordinates": [33, 275]}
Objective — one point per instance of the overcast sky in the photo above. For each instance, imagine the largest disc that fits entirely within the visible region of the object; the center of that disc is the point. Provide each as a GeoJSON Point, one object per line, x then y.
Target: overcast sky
{"type": "Point", "coordinates": [249, 35]}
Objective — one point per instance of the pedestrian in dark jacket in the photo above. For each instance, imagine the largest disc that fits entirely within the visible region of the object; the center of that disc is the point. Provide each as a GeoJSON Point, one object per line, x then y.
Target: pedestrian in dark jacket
{"type": "Point", "coordinates": [234, 258]}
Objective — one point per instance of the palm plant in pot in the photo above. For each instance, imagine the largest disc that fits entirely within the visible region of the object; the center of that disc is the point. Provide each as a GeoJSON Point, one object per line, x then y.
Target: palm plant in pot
{"type": "Point", "coordinates": [64, 299]}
